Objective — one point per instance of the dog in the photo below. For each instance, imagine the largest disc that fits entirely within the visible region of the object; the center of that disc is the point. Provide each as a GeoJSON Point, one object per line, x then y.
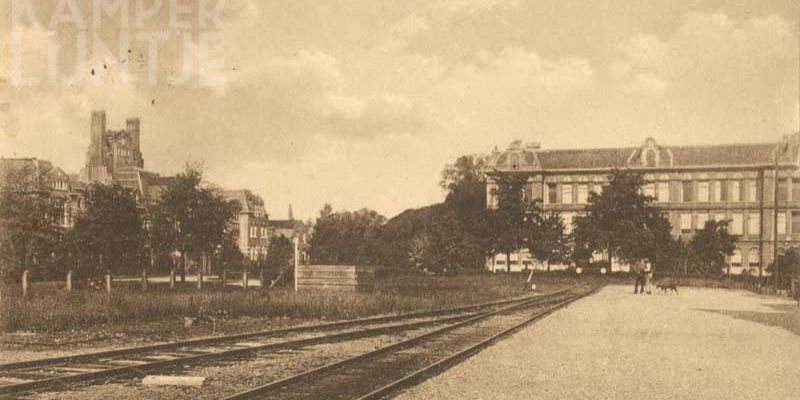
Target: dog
{"type": "Point", "coordinates": [664, 286]}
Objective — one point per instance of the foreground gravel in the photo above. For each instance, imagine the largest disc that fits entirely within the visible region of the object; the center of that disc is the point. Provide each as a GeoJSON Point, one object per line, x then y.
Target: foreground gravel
{"type": "Point", "coordinates": [702, 344]}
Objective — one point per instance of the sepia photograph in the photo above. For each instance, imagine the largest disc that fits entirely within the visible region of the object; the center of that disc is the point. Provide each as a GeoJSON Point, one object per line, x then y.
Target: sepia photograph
{"type": "Point", "coordinates": [399, 199]}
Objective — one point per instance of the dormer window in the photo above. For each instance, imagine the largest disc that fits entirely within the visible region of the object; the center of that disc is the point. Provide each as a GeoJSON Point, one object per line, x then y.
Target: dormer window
{"type": "Point", "coordinates": [515, 161]}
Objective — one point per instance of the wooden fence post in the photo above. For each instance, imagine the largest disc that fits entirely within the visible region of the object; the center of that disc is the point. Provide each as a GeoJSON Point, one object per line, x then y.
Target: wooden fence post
{"type": "Point", "coordinates": [224, 277]}
{"type": "Point", "coordinates": [200, 272]}
{"type": "Point", "coordinates": [69, 281]}
{"type": "Point", "coordinates": [108, 283]}
{"type": "Point", "coordinates": [244, 279]}
{"type": "Point", "coordinates": [25, 283]}
{"type": "Point", "coordinates": [144, 279]}
{"type": "Point", "coordinates": [172, 278]}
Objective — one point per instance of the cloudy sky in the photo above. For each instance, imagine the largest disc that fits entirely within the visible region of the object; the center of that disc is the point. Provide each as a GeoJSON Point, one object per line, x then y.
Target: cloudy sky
{"type": "Point", "coordinates": [361, 103]}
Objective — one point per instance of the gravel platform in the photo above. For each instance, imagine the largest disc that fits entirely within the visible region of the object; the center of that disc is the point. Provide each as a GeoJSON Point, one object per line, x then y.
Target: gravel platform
{"type": "Point", "coordinates": [700, 344]}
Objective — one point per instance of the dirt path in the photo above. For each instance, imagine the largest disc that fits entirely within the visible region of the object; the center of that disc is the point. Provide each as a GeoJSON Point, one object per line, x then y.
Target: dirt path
{"type": "Point", "coordinates": [702, 344]}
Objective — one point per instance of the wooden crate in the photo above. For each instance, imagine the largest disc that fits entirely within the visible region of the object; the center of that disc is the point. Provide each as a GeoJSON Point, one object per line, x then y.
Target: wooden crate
{"type": "Point", "coordinates": [335, 277]}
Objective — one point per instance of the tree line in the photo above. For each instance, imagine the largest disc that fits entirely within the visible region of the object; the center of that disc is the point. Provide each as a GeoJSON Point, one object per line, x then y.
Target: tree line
{"type": "Point", "coordinates": [119, 233]}
{"type": "Point", "coordinates": [619, 222]}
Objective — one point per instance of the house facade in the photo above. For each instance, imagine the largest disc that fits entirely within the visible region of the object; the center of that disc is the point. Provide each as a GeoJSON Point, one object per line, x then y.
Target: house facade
{"type": "Point", "coordinates": [692, 184]}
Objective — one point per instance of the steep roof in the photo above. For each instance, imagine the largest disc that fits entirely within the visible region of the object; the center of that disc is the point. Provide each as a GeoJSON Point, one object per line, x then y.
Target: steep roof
{"type": "Point", "coordinates": [247, 199]}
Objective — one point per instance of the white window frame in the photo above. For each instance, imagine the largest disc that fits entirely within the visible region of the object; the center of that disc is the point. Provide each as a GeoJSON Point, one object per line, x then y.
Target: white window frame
{"type": "Point", "coordinates": [686, 223]}
{"type": "Point", "coordinates": [662, 192]}
{"type": "Point", "coordinates": [566, 193]}
{"type": "Point", "coordinates": [701, 220]}
{"type": "Point", "coordinates": [735, 192]}
{"type": "Point", "coordinates": [737, 224]}
{"type": "Point", "coordinates": [750, 190]}
{"type": "Point", "coordinates": [583, 193]}
{"type": "Point", "coordinates": [782, 219]}
{"type": "Point", "coordinates": [753, 224]}
{"type": "Point", "coordinates": [703, 191]}
{"type": "Point", "coordinates": [716, 191]}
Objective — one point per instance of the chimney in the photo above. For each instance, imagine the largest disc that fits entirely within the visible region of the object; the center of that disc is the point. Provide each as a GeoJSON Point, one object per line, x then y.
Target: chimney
{"type": "Point", "coordinates": [96, 140]}
{"type": "Point", "coordinates": [291, 215]}
{"type": "Point", "coordinates": [133, 129]}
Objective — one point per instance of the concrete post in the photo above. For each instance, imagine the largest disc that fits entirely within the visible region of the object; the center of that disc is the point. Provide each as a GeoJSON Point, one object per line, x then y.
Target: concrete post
{"type": "Point", "coordinates": [144, 279]}
{"type": "Point", "coordinates": [172, 278]}
{"type": "Point", "coordinates": [108, 283]}
{"type": "Point", "coordinates": [25, 283]}
{"type": "Point", "coordinates": [200, 274]}
{"type": "Point", "coordinates": [69, 281]}
{"type": "Point", "coordinates": [244, 279]}
{"type": "Point", "coordinates": [296, 260]}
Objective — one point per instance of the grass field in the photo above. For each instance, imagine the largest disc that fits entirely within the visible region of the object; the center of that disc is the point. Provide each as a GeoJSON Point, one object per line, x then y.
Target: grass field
{"type": "Point", "coordinates": [50, 309]}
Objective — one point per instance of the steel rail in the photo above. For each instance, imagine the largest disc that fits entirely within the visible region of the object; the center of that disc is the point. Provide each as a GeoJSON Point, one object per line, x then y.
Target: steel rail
{"type": "Point", "coordinates": [249, 335]}
{"type": "Point", "coordinates": [139, 369]}
{"type": "Point", "coordinates": [261, 390]}
{"type": "Point", "coordinates": [450, 361]}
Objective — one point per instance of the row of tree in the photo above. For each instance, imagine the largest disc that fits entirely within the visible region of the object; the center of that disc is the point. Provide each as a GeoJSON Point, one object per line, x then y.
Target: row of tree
{"type": "Point", "coordinates": [119, 233]}
{"type": "Point", "coordinates": [620, 222]}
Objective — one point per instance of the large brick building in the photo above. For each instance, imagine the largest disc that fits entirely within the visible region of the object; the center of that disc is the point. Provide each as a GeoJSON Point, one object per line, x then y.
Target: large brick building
{"type": "Point", "coordinates": [693, 184]}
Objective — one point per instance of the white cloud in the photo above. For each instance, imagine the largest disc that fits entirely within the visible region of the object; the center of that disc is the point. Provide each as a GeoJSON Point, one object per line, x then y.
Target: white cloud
{"type": "Point", "coordinates": [410, 26]}
{"type": "Point", "coordinates": [646, 82]}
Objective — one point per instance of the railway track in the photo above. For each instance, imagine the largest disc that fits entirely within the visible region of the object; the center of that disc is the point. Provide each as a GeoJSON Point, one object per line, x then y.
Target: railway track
{"type": "Point", "coordinates": [380, 373]}
{"type": "Point", "coordinates": [62, 373]}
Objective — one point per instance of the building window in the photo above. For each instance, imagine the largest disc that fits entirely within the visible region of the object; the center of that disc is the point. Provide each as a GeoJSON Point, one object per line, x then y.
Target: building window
{"type": "Point", "coordinates": [753, 258]}
{"type": "Point", "coordinates": [753, 224]}
{"type": "Point", "coordinates": [795, 222]}
{"type": "Point", "coordinates": [686, 223]}
{"type": "Point", "coordinates": [783, 189]}
{"type": "Point", "coordinates": [751, 191]}
{"type": "Point", "coordinates": [723, 191]}
{"type": "Point", "coordinates": [583, 194]}
{"type": "Point", "coordinates": [702, 192]}
{"type": "Point", "coordinates": [253, 231]}
{"type": "Point", "coordinates": [662, 194]}
{"type": "Point", "coordinates": [701, 220]}
{"type": "Point", "coordinates": [737, 224]}
{"type": "Point", "coordinates": [735, 189]}
{"type": "Point", "coordinates": [552, 193]}
{"type": "Point", "coordinates": [736, 258]}
{"type": "Point", "coordinates": [514, 161]}
{"type": "Point", "coordinates": [566, 193]}
{"type": "Point", "coordinates": [782, 223]}
{"type": "Point", "coordinates": [716, 191]}
{"type": "Point", "coordinates": [650, 189]}
{"type": "Point", "coordinates": [687, 191]}
{"type": "Point", "coordinates": [795, 189]}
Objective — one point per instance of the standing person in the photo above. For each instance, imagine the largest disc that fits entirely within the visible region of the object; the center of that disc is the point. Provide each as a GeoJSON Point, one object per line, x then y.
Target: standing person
{"type": "Point", "coordinates": [638, 273]}
{"type": "Point", "coordinates": [649, 269]}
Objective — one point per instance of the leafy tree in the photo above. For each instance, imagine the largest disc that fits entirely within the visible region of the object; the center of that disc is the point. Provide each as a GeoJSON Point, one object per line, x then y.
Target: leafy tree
{"type": "Point", "coordinates": [279, 256]}
{"type": "Point", "coordinates": [190, 217]}
{"type": "Point", "coordinates": [547, 241]}
{"type": "Point", "coordinates": [710, 246]}
{"type": "Point", "coordinates": [466, 185]}
{"type": "Point", "coordinates": [787, 268]}
{"type": "Point", "coordinates": [109, 236]}
{"type": "Point", "coordinates": [444, 247]}
{"type": "Point", "coordinates": [345, 237]}
{"type": "Point", "coordinates": [29, 231]}
{"type": "Point", "coordinates": [623, 222]}
{"type": "Point", "coordinates": [514, 216]}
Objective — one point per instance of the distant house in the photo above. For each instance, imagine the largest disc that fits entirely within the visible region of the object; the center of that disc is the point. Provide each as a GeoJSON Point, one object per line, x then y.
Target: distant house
{"type": "Point", "coordinates": [251, 222]}
{"type": "Point", "coordinates": [32, 175]}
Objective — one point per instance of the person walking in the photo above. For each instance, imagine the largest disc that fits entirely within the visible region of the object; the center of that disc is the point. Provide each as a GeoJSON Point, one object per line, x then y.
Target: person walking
{"type": "Point", "coordinates": [649, 270]}
{"type": "Point", "coordinates": [638, 273]}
